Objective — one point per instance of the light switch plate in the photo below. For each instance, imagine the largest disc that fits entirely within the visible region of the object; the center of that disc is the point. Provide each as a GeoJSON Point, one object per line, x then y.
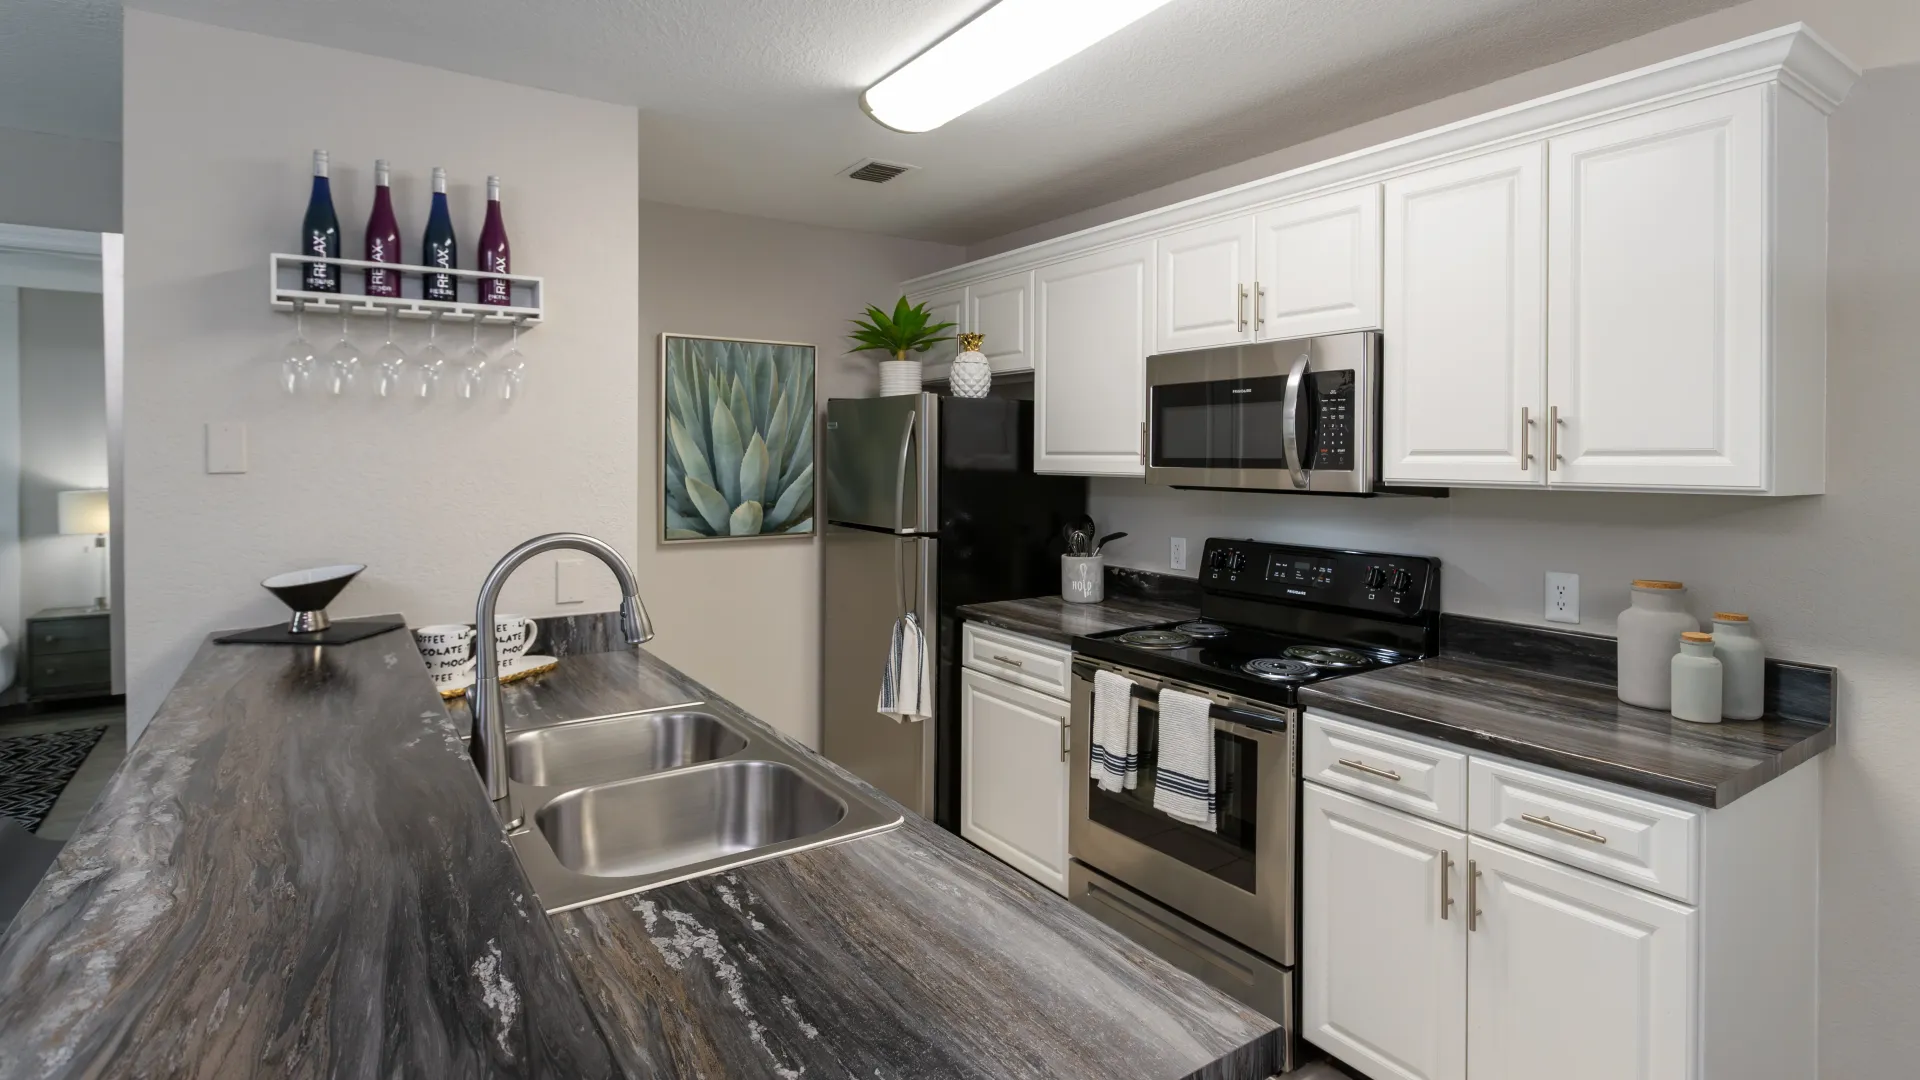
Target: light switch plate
{"type": "Point", "coordinates": [226, 447]}
{"type": "Point", "coordinates": [1563, 597]}
{"type": "Point", "coordinates": [1178, 559]}
{"type": "Point", "coordinates": [570, 581]}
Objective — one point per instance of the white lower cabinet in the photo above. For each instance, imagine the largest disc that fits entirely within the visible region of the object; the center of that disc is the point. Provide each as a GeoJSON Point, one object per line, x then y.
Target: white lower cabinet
{"type": "Point", "coordinates": [1575, 978]}
{"type": "Point", "coordinates": [1384, 963]}
{"type": "Point", "coordinates": [1013, 775]}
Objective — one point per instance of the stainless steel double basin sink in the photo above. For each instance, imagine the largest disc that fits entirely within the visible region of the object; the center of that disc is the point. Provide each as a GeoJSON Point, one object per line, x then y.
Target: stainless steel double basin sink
{"type": "Point", "coordinates": [619, 804]}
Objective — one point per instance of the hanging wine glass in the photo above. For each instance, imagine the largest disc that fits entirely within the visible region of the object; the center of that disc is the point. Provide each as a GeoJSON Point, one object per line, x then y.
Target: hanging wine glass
{"type": "Point", "coordinates": [430, 361]}
{"type": "Point", "coordinates": [296, 361]}
{"type": "Point", "coordinates": [392, 359]}
{"type": "Point", "coordinates": [513, 366]}
{"type": "Point", "coordinates": [343, 360]}
{"type": "Point", "coordinates": [473, 364]}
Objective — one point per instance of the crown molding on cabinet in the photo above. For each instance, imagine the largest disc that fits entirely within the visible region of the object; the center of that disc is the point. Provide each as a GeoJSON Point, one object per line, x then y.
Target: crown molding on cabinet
{"type": "Point", "coordinates": [1792, 56]}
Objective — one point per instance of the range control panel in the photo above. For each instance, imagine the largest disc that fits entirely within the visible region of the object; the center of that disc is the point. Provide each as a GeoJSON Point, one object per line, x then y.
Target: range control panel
{"type": "Point", "coordinates": [1388, 584]}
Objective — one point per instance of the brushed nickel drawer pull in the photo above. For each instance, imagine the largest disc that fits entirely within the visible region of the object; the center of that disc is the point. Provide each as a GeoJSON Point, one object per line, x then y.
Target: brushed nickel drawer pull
{"type": "Point", "coordinates": [1553, 438]}
{"type": "Point", "coordinates": [1008, 660]}
{"type": "Point", "coordinates": [1259, 306]}
{"type": "Point", "coordinates": [1066, 740]}
{"type": "Point", "coordinates": [1546, 822]}
{"type": "Point", "coordinates": [1361, 766]}
{"type": "Point", "coordinates": [1446, 889]}
{"type": "Point", "coordinates": [1526, 449]}
{"type": "Point", "coordinates": [1240, 309]}
{"type": "Point", "coordinates": [1473, 896]}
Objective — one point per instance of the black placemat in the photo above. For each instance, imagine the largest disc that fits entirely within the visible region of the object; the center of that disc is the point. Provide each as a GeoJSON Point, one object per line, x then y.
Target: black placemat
{"type": "Point", "coordinates": [340, 633]}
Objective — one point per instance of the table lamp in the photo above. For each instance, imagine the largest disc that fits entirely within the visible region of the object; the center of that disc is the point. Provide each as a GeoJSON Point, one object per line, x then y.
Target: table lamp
{"type": "Point", "coordinates": [84, 513]}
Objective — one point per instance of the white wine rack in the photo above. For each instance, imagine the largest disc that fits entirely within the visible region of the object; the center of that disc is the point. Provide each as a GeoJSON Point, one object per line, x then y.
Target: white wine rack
{"type": "Point", "coordinates": [527, 309]}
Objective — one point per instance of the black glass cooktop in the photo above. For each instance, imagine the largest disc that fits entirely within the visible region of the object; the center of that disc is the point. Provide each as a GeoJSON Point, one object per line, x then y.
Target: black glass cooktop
{"type": "Point", "coordinates": [1251, 662]}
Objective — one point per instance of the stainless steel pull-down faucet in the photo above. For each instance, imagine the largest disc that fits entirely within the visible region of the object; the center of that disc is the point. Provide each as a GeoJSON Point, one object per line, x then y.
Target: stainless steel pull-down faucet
{"type": "Point", "coordinates": [489, 725]}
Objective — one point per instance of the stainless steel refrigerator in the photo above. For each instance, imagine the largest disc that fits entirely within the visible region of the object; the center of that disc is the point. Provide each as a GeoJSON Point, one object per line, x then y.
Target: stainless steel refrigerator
{"type": "Point", "coordinates": [931, 503]}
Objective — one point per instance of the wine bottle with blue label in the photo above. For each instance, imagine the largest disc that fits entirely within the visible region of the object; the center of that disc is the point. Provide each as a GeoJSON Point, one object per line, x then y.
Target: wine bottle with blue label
{"type": "Point", "coordinates": [440, 248]}
{"type": "Point", "coordinates": [320, 233]}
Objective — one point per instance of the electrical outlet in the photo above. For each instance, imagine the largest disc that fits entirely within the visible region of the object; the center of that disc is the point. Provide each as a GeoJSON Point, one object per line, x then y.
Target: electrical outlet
{"type": "Point", "coordinates": [571, 581]}
{"type": "Point", "coordinates": [1563, 597]}
{"type": "Point", "coordinates": [1178, 559]}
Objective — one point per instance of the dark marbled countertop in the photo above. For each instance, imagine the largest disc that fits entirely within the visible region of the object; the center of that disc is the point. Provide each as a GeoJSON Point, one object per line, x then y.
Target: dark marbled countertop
{"type": "Point", "coordinates": [1053, 619]}
{"type": "Point", "coordinates": [908, 953]}
{"type": "Point", "coordinates": [297, 873]}
{"type": "Point", "coordinates": [1578, 727]}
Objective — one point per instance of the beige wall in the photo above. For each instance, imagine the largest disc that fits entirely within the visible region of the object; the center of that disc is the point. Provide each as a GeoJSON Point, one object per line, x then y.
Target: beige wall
{"type": "Point", "coordinates": [428, 495]}
{"type": "Point", "coordinates": [59, 182]}
{"type": "Point", "coordinates": [745, 617]}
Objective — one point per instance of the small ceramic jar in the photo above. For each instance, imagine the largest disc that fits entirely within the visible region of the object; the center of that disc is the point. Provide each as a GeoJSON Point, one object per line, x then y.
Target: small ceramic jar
{"type": "Point", "coordinates": [1696, 680]}
{"type": "Point", "coordinates": [1743, 666]}
{"type": "Point", "coordinates": [1649, 636]}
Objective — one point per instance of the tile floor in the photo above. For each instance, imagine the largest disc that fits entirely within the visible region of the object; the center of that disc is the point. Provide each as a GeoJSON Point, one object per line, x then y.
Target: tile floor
{"type": "Point", "coordinates": [91, 780]}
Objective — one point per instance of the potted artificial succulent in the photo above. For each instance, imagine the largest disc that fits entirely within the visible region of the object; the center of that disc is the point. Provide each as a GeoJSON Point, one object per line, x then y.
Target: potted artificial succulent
{"type": "Point", "coordinates": [905, 331]}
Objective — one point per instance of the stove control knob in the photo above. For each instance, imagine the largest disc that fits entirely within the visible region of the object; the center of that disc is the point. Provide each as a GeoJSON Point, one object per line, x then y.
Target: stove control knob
{"type": "Point", "coordinates": [1376, 576]}
{"type": "Point", "coordinates": [1402, 581]}
{"type": "Point", "coordinates": [1236, 561]}
{"type": "Point", "coordinates": [1217, 559]}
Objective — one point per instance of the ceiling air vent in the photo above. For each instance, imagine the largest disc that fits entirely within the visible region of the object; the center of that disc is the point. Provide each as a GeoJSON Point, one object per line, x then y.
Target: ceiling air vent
{"type": "Point", "coordinates": [876, 172]}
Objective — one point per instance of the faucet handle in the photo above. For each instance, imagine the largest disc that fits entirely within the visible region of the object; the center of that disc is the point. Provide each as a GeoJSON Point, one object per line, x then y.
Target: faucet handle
{"type": "Point", "coordinates": [634, 621]}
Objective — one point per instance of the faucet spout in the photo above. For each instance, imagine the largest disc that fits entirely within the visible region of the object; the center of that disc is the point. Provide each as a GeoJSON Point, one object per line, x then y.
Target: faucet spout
{"type": "Point", "coordinates": [489, 724]}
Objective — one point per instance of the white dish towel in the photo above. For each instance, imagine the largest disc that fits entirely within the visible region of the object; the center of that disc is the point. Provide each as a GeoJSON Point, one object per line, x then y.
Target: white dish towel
{"type": "Point", "coordinates": [1183, 774]}
{"type": "Point", "coordinates": [1114, 756]}
{"type": "Point", "coordinates": [906, 686]}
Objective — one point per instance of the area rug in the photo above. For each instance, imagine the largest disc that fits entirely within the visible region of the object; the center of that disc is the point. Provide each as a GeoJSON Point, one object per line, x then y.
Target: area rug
{"type": "Point", "coordinates": [34, 769]}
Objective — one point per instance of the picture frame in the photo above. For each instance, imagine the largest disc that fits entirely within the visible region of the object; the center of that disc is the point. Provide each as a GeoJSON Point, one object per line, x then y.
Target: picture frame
{"type": "Point", "coordinates": [737, 439]}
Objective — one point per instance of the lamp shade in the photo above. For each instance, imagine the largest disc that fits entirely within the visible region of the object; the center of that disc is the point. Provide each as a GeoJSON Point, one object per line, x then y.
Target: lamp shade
{"type": "Point", "coordinates": [84, 512]}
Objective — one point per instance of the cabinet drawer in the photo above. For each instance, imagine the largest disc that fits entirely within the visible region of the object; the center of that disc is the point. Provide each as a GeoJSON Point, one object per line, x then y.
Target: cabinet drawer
{"type": "Point", "coordinates": [1630, 840]}
{"type": "Point", "coordinates": [70, 672]}
{"type": "Point", "coordinates": [1037, 665]}
{"type": "Point", "coordinates": [48, 636]}
{"type": "Point", "coordinates": [1415, 776]}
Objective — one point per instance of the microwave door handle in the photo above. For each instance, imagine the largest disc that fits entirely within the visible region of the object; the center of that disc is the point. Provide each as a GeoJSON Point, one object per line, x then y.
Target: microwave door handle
{"type": "Point", "coordinates": [1290, 420]}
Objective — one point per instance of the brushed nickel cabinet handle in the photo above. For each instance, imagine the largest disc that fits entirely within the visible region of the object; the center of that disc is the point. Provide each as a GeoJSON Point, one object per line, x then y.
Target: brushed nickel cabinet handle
{"type": "Point", "coordinates": [1446, 888]}
{"type": "Point", "coordinates": [1553, 438]}
{"type": "Point", "coordinates": [1240, 308]}
{"type": "Point", "coordinates": [1008, 660]}
{"type": "Point", "coordinates": [1473, 896]}
{"type": "Point", "coordinates": [1546, 822]}
{"type": "Point", "coordinates": [1259, 305]}
{"type": "Point", "coordinates": [1526, 431]}
{"type": "Point", "coordinates": [1361, 766]}
{"type": "Point", "coordinates": [1066, 740]}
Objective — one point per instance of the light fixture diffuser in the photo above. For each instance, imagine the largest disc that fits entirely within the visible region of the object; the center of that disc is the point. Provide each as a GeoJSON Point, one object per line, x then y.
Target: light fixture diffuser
{"type": "Point", "coordinates": [1003, 46]}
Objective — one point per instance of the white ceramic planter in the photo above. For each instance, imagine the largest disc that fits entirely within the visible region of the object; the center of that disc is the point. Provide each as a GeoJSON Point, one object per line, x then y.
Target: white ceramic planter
{"type": "Point", "coordinates": [899, 377]}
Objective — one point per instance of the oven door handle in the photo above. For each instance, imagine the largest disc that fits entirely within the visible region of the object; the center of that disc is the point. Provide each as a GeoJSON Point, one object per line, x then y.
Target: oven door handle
{"type": "Point", "coordinates": [1226, 718]}
{"type": "Point", "coordinates": [1290, 420]}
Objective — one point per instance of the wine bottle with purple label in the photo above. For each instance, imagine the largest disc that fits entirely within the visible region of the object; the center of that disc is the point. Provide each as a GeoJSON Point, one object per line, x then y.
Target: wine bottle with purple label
{"type": "Point", "coordinates": [440, 248]}
{"type": "Point", "coordinates": [493, 251]}
{"type": "Point", "coordinates": [320, 232]}
{"type": "Point", "coordinates": [383, 236]}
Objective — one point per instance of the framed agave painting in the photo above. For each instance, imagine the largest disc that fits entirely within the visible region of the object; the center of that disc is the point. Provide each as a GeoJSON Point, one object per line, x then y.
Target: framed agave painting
{"type": "Point", "coordinates": [736, 434]}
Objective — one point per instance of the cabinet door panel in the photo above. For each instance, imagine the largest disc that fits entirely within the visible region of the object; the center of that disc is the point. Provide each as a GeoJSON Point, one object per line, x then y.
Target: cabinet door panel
{"type": "Point", "coordinates": [1002, 309]}
{"type": "Point", "coordinates": [1657, 308]}
{"type": "Point", "coordinates": [1318, 266]}
{"type": "Point", "coordinates": [947, 305]}
{"type": "Point", "coordinates": [1205, 286]}
{"type": "Point", "coordinates": [1093, 328]}
{"type": "Point", "coordinates": [1383, 975]}
{"type": "Point", "coordinates": [1574, 977]}
{"type": "Point", "coordinates": [1013, 776]}
{"type": "Point", "coordinates": [1465, 303]}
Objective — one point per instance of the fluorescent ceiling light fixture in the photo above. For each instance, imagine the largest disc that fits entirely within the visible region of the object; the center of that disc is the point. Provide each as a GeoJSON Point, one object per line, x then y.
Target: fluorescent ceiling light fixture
{"type": "Point", "coordinates": [1003, 46]}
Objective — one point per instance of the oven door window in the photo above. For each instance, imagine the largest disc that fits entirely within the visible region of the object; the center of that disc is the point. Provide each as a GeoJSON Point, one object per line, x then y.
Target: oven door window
{"type": "Point", "coordinates": [1226, 853]}
{"type": "Point", "coordinates": [1231, 424]}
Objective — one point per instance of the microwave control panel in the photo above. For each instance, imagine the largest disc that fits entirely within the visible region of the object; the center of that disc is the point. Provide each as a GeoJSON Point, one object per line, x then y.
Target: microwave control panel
{"type": "Point", "coordinates": [1388, 584]}
{"type": "Point", "coordinates": [1333, 418]}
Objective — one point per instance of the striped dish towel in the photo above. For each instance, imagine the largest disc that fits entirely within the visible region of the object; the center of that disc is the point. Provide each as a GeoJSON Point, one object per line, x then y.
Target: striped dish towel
{"type": "Point", "coordinates": [1114, 756]}
{"type": "Point", "coordinates": [1183, 775]}
{"type": "Point", "coordinates": [906, 686]}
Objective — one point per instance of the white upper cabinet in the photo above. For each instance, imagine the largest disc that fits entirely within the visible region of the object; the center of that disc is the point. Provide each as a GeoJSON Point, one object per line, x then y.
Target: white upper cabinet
{"type": "Point", "coordinates": [946, 305]}
{"type": "Point", "coordinates": [1659, 356]}
{"type": "Point", "coordinates": [1206, 286]}
{"type": "Point", "coordinates": [1002, 310]}
{"type": "Point", "coordinates": [1092, 330]}
{"type": "Point", "coordinates": [1463, 362]}
{"type": "Point", "coordinates": [1317, 266]}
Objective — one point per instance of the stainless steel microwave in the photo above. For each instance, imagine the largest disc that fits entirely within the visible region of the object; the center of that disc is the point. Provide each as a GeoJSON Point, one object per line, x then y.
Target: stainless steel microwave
{"type": "Point", "coordinates": [1301, 415]}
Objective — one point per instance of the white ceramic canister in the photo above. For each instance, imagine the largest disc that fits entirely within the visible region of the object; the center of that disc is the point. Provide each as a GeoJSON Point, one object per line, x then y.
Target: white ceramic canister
{"type": "Point", "coordinates": [1083, 578]}
{"type": "Point", "coordinates": [1649, 636]}
{"type": "Point", "coordinates": [1743, 666]}
{"type": "Point", "coordinates": [1696, 679]}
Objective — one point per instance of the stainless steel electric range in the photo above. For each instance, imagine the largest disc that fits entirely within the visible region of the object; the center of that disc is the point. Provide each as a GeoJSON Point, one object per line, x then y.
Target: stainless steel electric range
{"type": "Point", "coordinates": [1222, 904]}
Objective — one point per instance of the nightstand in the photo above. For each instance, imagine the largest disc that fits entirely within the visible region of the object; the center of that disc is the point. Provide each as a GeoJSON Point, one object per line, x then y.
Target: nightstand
{"type": "Point", "coordinates": [69, 653]}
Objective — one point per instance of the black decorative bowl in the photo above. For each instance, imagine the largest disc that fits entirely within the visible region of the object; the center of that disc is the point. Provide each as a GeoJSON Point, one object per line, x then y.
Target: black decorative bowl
{"type": "Point", "coordinates": [308, 592]}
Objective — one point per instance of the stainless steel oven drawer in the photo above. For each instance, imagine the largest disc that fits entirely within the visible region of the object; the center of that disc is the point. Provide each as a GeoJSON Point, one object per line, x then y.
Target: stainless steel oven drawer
{"type": "Point", "coordinates": [1246, 977]}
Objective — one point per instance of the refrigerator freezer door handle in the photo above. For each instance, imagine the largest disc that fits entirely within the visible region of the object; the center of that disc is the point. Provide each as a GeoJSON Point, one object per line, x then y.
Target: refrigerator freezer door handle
{"type": "Point", "coordinates": [900, 514]}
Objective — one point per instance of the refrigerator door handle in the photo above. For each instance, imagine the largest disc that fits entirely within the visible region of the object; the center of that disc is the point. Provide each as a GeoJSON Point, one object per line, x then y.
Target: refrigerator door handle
{"type": "Point", "coordinates": [900, 515]}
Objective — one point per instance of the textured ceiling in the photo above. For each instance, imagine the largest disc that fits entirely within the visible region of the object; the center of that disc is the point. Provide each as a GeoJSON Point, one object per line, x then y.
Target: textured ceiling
{"type": "Point", "coordinates": [751, 105]}
{"type": "Point", "coordinates": [60, 67]}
